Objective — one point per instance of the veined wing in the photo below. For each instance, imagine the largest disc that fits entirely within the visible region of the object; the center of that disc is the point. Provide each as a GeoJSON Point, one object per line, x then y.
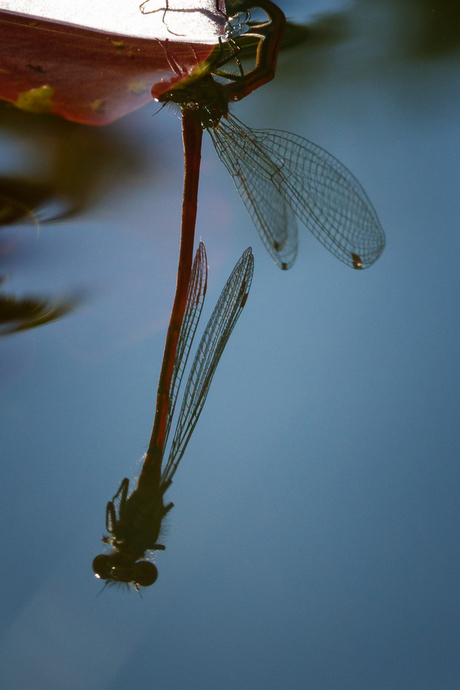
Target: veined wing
{"type": "Point", "coordinates": [326, 197]}
{"type": "Point", "coordinates": [195, 300]}
{"type": "Point", "coordinates": [253, 172]}
{"type": "Point", "coordinates": [223, 319]}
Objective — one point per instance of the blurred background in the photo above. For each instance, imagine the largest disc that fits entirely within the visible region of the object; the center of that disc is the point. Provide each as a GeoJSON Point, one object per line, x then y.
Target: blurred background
{"type": "Point", "coordinates": [314, 541]}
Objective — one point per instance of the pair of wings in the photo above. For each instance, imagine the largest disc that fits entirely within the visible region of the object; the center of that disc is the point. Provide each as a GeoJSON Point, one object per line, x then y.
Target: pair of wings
{"type": "Point", "coordinates": [215, 337]}
{"type": "Point", "coordinates": [279, 176]}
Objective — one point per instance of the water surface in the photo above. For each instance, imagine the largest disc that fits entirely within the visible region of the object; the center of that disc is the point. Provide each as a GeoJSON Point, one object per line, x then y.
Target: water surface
{"type": "Point", "coordinates": [314, 538]}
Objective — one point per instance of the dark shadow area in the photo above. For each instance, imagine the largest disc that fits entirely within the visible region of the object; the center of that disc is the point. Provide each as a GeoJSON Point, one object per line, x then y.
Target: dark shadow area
{"type": "Point", "coordinates": [439, 32]}
{"type": "Point", "coordinates": [422, 29]}
{"type": "Point", "coordinates": [23, 313]}
{"type": "Point", "coordinates": [72, 168]}
{"type": "Point", "coordinates": [76, 164]}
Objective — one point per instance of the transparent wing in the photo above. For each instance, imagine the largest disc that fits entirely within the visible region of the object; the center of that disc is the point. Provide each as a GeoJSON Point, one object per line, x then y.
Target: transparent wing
{"type": "Point", "coordinates": [195, 300]}
{"type": "Point", "coordinates": [326, 197]}
{"type": "Point", "coordinates": [253, 171]}
{"type": "Point", "coordinates": [212, 344]}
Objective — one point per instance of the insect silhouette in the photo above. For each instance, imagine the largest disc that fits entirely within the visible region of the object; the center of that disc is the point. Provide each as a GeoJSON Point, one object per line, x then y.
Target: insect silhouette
{"type": "Point", "coordinates": [134, 521]}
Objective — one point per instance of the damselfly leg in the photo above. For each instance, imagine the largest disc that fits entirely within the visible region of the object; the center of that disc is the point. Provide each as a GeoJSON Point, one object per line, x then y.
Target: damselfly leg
{"type": "Point", "coordinates": [151, 7]}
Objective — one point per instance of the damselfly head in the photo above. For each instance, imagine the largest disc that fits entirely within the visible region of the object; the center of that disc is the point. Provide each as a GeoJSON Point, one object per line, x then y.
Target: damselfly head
{"type": "Point", "coordinates": [237, 24]}
{"type": "Point", "coordinates": [204, 95]}
{"type": "Point", "coordinates": [138, 574]}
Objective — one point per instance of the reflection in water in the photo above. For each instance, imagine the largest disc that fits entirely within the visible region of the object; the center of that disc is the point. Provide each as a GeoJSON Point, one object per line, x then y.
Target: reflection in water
{"type": "Point", "coordinates": [69, 166]}
{"type": "Point", "coordinates": [74, 165]}
{"type": "Point", "coordinates": [134, 521]}
{"type": "Point", "coordinates": [18, 199]}
{"type": "Point", "coordinates": [278, 175]}
{"type": "Point", "coordinates": [21, 199]}
{"type": "Point", "coordinates": [22, 313]}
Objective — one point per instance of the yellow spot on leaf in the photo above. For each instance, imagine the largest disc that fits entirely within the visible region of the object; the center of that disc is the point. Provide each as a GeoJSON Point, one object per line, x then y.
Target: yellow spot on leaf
{"type": "Point", "coordinates": [97, 105]}
{"type": "Point", "coordinates": [36, 100]}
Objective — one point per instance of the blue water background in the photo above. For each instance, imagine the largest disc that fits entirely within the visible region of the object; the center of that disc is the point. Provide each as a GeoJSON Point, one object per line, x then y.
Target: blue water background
{"type": "Point", "coordinates": [314, 541]}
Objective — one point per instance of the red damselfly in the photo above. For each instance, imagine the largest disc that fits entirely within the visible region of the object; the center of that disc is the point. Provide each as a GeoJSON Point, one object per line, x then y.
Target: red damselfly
{"type": "Point", "coordinates": [278, 175]}
{"type": "Point", "coordinates": [134, 520]}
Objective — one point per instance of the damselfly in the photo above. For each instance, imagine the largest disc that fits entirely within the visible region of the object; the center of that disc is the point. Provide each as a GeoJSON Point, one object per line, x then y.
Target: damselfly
{"type": "Point", "coordinates": [134, 521]}
{"type": "Point", "coordinates": [278, 175]}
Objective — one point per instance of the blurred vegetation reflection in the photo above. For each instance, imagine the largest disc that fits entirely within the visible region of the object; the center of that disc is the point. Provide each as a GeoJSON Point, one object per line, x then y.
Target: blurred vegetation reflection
{"type": "Point", "coordinates": [23, 313]}
{"type": "Point", "coordinates": [69, 168]}
{"type": "Point", "coordinates": [19, 201]}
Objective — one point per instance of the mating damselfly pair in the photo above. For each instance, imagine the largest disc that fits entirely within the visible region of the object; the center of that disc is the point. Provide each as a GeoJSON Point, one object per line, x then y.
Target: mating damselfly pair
{"type": "Point", "coordinates": [279, 176]}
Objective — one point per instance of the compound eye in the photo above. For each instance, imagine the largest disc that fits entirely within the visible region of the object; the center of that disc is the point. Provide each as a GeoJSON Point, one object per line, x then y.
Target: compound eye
{"type": "Point", "coordinates": [144, 573]}
{"type": "Point", "coordinates": [102, 566]}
